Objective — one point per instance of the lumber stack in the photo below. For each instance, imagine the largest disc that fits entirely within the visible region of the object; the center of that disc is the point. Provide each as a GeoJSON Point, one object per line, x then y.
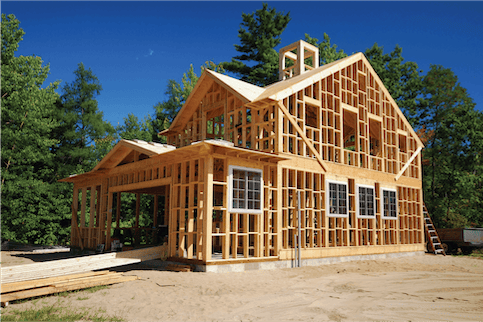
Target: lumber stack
{"type": "Point", "coordinates": [78, 264]}
{"type": "Point", "coordinates": [62, 267]}
{"type": "Point", "coordinates": [45, 286]}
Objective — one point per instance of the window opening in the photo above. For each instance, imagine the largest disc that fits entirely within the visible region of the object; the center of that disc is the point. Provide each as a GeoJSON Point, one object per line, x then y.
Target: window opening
{"type": "Point", "coordinates": [402, 143]}
{"type": "Point", "coordinates": [366, 202]}
{"type": "Point", "coordinates": [337, 199]}
{"type": "Point", "coordinates": [350, 122]}
{"type": "Point", "coordinates": [246, 187]}
{"type": "Point", "coordinates": [375, 137]}
{"type": "Point", "coordinates": [389, 204]}
{"type": "Point", "coordinates": [311, 116]}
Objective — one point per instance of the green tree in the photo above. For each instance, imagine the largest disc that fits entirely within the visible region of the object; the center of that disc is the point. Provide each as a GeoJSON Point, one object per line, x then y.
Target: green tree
{"type": "Point", "coordinates": [402, 79]}
{"type": "Point", "coordinates": [259, 34]}
{"type": "Point", "coordinates": [328, 53]}
{"type": "Point", "coordinates": [133, 129]}
{"type": "Point", "coordinates": [165, 112]}
{"type": "Point", "coordinates": [82, 124]}
{"type": "Point", "coordinates": [32, 209]}
{"type": "Point", "coordinates": [453, 172]}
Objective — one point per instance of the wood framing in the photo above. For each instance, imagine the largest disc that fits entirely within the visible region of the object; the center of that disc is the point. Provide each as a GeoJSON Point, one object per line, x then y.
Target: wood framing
{"type": "Point", "coordinates": [238, 154]}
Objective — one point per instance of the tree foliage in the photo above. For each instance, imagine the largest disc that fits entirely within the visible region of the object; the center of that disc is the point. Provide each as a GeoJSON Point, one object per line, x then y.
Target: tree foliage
{"type": "Point", "coordinates": [401, 78]}
{"type": "Point", "coordinates": [453, 172]}
{"type": "Point", "coordinates": [33, 210]}
{"type": "Point", "coordinates": [165, 112]}
{"type": "Point", "coordinates": [82, 123]}
{"type": "Point", "coordinates": [328, 53]}
{"type": "Point", "coordinates": [259, 34]}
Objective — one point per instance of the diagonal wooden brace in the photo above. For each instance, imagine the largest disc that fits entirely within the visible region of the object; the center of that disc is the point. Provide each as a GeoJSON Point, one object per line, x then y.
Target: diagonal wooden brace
{"type": "Point", "coordinates": [415, 154]}
{"type": "Point", "coordinates": [303, 136]}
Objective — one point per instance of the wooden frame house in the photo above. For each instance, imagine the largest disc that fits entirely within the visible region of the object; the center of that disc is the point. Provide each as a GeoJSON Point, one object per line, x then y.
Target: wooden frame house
{"type": "Point", "coordinates": [238, 155]}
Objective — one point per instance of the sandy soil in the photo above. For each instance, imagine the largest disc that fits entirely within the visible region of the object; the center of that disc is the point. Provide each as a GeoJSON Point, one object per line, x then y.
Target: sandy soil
{"type": "Point", "coordinates": [425, 287]}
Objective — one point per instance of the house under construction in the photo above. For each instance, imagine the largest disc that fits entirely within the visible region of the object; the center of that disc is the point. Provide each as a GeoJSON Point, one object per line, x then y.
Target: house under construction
{"type": "Point", "coordinates": [323, 161]}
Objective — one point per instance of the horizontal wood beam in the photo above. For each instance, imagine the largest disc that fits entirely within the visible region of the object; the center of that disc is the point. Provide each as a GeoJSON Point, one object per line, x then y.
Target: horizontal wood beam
{"type": "Point", "coordinates": [141, 185]}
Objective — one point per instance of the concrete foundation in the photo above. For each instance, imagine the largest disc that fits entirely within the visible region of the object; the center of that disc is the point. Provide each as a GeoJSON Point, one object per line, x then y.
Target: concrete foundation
{"type": "Point", "coordinates": [291, 263]}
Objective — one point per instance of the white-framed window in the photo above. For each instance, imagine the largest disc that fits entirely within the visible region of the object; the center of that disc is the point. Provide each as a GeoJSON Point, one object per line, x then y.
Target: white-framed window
{"type": "Point", "coordinates": [245, 190]}
{"type": "Point", "coordinates": [388, 203]}
{"type": "Point", "coordinates": [365, 201]}
{"type": "Point", "coordinates": [337, 204]}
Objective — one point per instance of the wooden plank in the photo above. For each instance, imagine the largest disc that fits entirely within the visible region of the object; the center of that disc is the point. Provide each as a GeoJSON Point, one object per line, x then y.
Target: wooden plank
{"type": "Point", "coordinates": [312, 101]}
{"type": "Point", "coordinates": [141, 185]}
{"type": "Point", "coordinates": [63, 268]}
{"type": "Point", "coordinates": [16, 286]}
{"type": "Point", "coordinates": [61, 282]}
{"type": "Point", "coordinates": [302, 135]}
{"type": "Point", "coordinates": [143, 254]}
{"type": "Point", "coordinates": [52, 290]}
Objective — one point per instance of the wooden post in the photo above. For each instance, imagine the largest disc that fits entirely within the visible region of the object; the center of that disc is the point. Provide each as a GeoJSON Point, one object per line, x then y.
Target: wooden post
{"type": "Point", "coordinates": [109, 220]}
{"type": "Point", "coordinates": [118, 208]}
{"type": "Point", "coordinates": [278, 217]}
{"type": "Point", "coordinates": [83, 207]}
{"type": "Point", "coordinates": [208, 208]}
{"type": "Point", "coordinates": [73, 221]}
{"type": "Point", "coordinates": [136, 225]}
{"type": "Point", "coordinates": [90, 242]}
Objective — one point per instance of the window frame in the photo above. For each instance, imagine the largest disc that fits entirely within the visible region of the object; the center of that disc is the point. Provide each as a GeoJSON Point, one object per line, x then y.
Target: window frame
{"type": "Point", "coordinates": [230, 191]}
{"type": "Point", "coordinates": [327, 205]}
{"type": "Point", "coordinates": [358, 214]}
{"type": "Point", "coordinates": [383, 213]}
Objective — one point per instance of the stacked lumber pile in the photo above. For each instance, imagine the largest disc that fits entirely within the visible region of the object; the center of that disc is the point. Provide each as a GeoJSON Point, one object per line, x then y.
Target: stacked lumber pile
{"type": "Point", "coordinates": [178, 268]}
{"type": "Point", "coordinates": [63, 267]}
{"type": "Point", "coordinates": [25, 281]}
{"type": "Point", "coordinates": [44, 286]}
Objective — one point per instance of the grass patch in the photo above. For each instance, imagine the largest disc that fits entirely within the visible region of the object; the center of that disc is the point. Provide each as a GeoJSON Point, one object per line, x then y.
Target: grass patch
{"type": "Point", "coordinates": [56, 312]}
{"type": "Point", "coordinates": [82, 298]}
{"type": "Point", "coordinates": [478, 253]}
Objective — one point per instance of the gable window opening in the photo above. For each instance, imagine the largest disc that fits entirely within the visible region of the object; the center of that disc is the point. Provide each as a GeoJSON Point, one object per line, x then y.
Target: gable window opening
{"type": "Point", "coordinates": [337, 199]}
{"type": "Point", "coordinates": [389, 204]}
{"type": "Point", "coordinates": [246, 190]}
{"type": "Point", "coordinates": [366, 202]}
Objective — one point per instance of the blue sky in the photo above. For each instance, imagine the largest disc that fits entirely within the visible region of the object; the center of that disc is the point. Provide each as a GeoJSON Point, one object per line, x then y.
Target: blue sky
{"type": "Point", "coordinates": [134, 48]}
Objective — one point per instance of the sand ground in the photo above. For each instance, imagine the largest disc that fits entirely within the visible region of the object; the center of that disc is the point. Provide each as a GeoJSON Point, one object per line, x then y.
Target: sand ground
{"type": "Point", "coordinates": [423, 287]}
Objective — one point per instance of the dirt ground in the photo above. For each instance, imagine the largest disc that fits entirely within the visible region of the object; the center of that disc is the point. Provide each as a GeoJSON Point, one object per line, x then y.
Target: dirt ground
{"type": "Point", "coordinates": [425, 287]}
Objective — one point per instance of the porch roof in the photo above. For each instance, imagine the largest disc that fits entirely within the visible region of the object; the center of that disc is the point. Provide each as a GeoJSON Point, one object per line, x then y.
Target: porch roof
{"type": "Point", "coordinates": [168, 154]}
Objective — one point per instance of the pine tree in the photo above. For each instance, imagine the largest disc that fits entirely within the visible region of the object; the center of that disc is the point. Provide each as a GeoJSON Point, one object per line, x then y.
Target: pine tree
{"type": "Point", "coordinates": [328, 53]}
{"type": "Point", "coordinates": [259, 34]}
{"type": "Point", "coordinates": [33, 211]}
{"type": "Point", "coordinates": [165, 112]}
{"type": "Point", "coordinates": [402, 79]}
{"type": "Point", "coordinates": [453, 174]}
{"type": "Point", "coordinates": [82, 126]}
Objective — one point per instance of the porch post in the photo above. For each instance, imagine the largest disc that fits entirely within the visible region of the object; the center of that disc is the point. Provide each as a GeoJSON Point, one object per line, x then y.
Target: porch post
{"type": "Point", "coordinates": [208, 209]}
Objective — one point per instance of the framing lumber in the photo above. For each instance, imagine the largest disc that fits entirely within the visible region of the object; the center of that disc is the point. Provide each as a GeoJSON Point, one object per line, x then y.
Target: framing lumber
{"type": "Point", "coordinates": [302, 135]}
{"type": "Point", "coordinates": [411, 159]}
{"type": "Point", "coordinates": [58, 288]}
{"type": "Point", "coordinates": [330, 134]}
{"type": "Point", "coordinates": [23, 285]}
